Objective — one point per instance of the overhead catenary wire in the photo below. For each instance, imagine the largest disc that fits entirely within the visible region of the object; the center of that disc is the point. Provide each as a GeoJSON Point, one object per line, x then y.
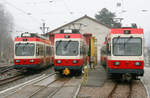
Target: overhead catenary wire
{"type": "Point", "coordinates": [67, 7]}
{"type": "Point", "coordinates": [24, 12]}
{"type": "Point", "coordinates": [34, 19]}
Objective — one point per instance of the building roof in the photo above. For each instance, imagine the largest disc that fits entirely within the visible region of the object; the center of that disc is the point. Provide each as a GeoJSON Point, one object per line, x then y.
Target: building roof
{"type": "Point", "coordinates": [85, 16]}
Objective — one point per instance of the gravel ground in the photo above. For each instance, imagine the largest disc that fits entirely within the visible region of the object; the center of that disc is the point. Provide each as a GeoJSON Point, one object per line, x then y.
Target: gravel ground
{"type": "Point", "coordinates": [97, 92]}
{"type": "Point", "coordinates": [27, 78]}
{"type": "Point", "coordinates": [146, 79]}
{"type": "Point", "coordinates": [49, 87]}
{"type": "Point", "coordinates": [122, 90]}
{"type": "Point", "coordinates": [138, 90]}
{"type": "Point", "coordinates": [5, 64]}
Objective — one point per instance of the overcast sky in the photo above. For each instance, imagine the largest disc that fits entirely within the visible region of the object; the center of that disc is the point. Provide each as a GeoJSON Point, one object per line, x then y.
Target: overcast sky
{"type": "Point", "coordinates": [29, 14]}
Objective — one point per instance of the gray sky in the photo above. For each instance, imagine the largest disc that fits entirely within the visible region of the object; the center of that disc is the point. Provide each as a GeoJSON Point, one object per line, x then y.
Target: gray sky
{"type": "Point", "coordinates": [59, 12]}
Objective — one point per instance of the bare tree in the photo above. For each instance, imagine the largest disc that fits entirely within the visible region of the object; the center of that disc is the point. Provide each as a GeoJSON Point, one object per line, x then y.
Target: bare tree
{"type": "Point", "coordinates": [6, 42]}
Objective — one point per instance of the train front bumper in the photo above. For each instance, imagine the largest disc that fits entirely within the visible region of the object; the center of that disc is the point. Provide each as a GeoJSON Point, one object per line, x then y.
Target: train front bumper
{"type": "Point", "coordinates": [138, 72]}
{"type": "Point", "coordinates": [59, 68]}
{"type": "Point", "coordinates": [31, 66]}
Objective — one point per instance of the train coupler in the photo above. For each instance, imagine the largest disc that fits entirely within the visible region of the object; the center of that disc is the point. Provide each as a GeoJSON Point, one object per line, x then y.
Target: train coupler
{"type": "Point", "coordinates": [127, 77]}
{"type": "Point", "coordinates": [66, 71]}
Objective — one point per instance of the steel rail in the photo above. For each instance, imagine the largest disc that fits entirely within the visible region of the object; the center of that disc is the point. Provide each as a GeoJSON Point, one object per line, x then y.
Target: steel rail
{"type": "Point", "coordinates": [5, 69]}
{"type": "Point", "coordinates": [57, 89]}
{"type": "Point", "coordinates": [130, 92]}
{"type": "Point", "coordinates": [10, 79]}
{"type": "Point", "coordinates": [77, 91]}
{"type": "Point", "coordinates": [40, 89]}
{"type": "Point", "coordinates": [147, 92]}
{"type": "Point", "coordinates": [20, 86]}
{"type": "Point", "coordinates": [113, 90]}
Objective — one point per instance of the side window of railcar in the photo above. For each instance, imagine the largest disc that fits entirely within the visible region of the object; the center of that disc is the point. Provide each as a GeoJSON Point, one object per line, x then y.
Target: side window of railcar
{"type": "Point", "coordinates": [108, 49]}
{"type": "Point", "coordinates": [51, 51]}
{"type": "Point", "coordinates": [44, 50]}
{"type": "Point", "coordinates": [48, 51]}
{"type": "Point", "coordinates": [37, 50]}
{"type": "Point", "coordinates": [41, 50]}
{"type": "Point", "coordinates": [81, 50]}
{"type": "Point", "coordinates": [84, 49]}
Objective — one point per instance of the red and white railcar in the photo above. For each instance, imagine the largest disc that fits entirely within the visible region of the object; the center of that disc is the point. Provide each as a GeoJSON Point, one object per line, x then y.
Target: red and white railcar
{"type": "Point", "coordinates": [70, 52]}
{"type": "Point", "coordinates": [32, 51]}
{"type": "Point", "coordinates": [122, 53]}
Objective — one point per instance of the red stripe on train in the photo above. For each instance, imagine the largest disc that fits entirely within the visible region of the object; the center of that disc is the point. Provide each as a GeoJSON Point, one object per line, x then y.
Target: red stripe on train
{"type": "Point", "coordinates": [70, 35]}
{"type": "Point", "coordinates": [27, 61]}
{"type": "Point", "coordinates": [69, 62]}
{"type": "Point", "coordinates": [125, 64]}
{"type": "Point", "coordinates": [32, 39]}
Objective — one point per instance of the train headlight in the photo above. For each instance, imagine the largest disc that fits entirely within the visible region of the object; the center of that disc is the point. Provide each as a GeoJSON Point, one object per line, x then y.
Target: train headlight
{"type": "Point", "coordinates": [117, 63]}
{"type": "Point", "coordinates": [17, 61]}
{"type": "Point", "coordinates": [137, 63]}
{"type": "Point", "coordinates": [75, 61]}
{"type": "Point", "coordinates": [31, 61]}
{"type": "Point", "coordinates": [58, 61]}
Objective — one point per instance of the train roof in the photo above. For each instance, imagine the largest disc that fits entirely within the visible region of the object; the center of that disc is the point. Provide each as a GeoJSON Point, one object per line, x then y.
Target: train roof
{"type": "Point", "coordinates": [127, 30]}
{"type": "Point", "coordinates": [68, 35]}
{"type": "Point", "coordinates": [31, 37]}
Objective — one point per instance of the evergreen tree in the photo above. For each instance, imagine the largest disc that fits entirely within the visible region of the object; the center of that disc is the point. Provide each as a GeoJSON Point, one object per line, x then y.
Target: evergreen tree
{"type": "Point", "coordinates": [108, 18]}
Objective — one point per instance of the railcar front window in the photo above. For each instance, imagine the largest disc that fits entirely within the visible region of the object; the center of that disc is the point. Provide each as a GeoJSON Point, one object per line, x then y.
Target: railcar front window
{"type": "Point", "coordinates": [24, 49]}
{"type": "Point", "coordinates": [127, 46]}
{"type": "Point", "coordinates": [67, 48]}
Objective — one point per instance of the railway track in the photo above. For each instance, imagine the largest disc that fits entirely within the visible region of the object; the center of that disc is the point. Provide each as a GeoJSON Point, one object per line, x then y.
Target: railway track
{"type": "Point", "coordinates": [9, 74]}
{"type": "Point", "coordinates": [37, 92]}
{"type": "Point", "coordinates": [147, 91]}
{"type": "Point", "coordinates": [58, 89]}
{"type": "Point", "coordinates": [10, 79]}
{"type": "Point", "coordinates": [58, 92]}
{"type": "Point", "coordinates": [112, 89]}
{"type": "Point", "coordinates": [121, 90]}
{"type": "Point", "coordinates": [124, 90]}
{"type": "Point", "coordinates": [46, 86]}
{"type": "Point", "coordinates": [8, 93]}
{"type": "Point", "coordinates": [77, 91]}
{"type": "Point", "coordinates": [5, 69]}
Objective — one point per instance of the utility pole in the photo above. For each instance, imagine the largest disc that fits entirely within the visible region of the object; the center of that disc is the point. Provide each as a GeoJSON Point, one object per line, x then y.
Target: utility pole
{"type": "Point", "coordinates": [119, 19]}
{"type": "Point", "coordinates": [44, 28]}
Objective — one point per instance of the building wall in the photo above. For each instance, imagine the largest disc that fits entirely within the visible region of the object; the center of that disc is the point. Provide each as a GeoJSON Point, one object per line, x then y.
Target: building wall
{"type": "Point", "coordinates": [90, 26]}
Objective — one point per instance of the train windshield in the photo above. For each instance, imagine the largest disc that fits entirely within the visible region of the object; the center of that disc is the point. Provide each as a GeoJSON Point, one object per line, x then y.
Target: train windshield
{"type": "Point", "coordinates": [127, 46]}
{"type": "Point", "coordinates": [67, 48]}
{"type": "Point", "coordinates": [24, 49]}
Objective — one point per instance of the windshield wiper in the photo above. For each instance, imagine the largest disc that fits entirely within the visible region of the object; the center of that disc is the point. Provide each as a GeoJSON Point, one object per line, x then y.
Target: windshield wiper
{"type": "Point", "coordinates": [116, 41]}
{"type": "Point", "coordinates": [58, 43]}
{"type": "Point", "coordinates": [128, 40]}
{"type": "Point", "coordinates": [67, 44]}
